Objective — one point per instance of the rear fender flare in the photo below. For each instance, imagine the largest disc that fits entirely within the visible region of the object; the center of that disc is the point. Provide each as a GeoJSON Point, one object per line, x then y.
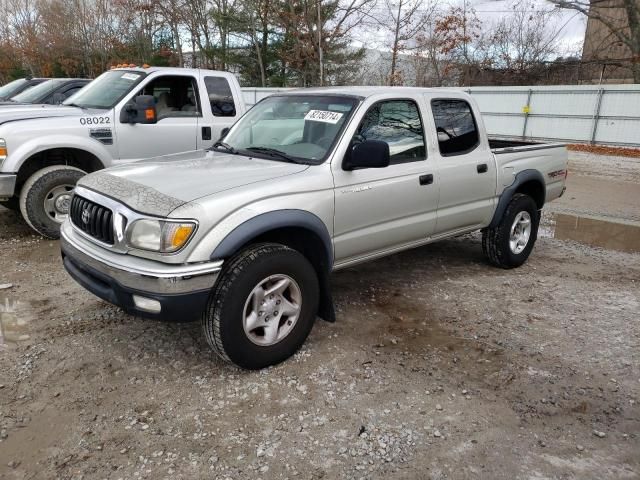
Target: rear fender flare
{"type": "Point", "coordinates": [506, 196]}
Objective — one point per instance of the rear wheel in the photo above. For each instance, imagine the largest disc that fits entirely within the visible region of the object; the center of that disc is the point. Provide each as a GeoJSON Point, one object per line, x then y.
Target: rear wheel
{"type": "Point", "coordinates": [262, 307]}
{"type": "Point", "coordinates": [509, 244]}
{"type": "Point", "coordinates": [45, 198]}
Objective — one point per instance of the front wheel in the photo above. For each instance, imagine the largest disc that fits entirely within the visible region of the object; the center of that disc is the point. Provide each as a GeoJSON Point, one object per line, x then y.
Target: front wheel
{"type": "Point", "coordinates": [45, 198]}
{"type": "Point", "coordinates": [508, 244]}
{"type": "Point", "coordinates": [262, 307]}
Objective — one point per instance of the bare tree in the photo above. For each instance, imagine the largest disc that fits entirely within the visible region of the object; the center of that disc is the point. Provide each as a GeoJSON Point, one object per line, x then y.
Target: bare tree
{"type": "Point", "coordinates": [404, 20]}
{"type": "Point", "coordinates": [621, 18]}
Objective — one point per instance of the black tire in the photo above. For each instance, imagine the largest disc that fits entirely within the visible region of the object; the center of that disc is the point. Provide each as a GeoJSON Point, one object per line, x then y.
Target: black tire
{"type": "Point", "coordinates": [222, 321]}
{"type": "Point", "coordinates": [34, 192]}
{"type": "Point", "coordinates": [12, 204]}
{"type": "Point", "coordinates": [495, 240]}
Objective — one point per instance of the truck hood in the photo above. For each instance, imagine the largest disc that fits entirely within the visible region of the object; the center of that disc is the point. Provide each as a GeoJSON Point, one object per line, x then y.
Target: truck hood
{"type": "Point", "coordinates": [160, 185]}
{"type": "Point", "coordinates": [10, 113]}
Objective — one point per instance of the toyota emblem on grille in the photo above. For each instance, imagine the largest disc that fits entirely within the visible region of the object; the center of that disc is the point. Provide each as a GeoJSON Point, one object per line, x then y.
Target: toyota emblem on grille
{"type": "Point", "coordinates": [86, 216]}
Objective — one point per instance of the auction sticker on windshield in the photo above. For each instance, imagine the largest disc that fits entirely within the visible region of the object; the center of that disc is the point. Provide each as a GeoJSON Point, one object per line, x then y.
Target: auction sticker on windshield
{"type": "Point", "coordinates": [130, 76]}
{"type": "Point", "coordinates": [323, 116]}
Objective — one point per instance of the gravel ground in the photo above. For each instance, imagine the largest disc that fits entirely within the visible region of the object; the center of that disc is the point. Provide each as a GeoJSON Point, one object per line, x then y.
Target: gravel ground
{"type": "Point", "coordinates": [439, 366]}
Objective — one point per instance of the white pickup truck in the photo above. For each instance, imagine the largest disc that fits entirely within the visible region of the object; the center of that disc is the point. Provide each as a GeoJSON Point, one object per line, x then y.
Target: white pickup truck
{"type": "Point", "coordinates": [45, 149]}
{"type": "Point", "coordinates": [246, 234]}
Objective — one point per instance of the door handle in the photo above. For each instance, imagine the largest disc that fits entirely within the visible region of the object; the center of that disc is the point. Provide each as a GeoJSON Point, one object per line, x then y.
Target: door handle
{"type": "Point", "coordinates": [482, 168]}
{"type": "Point", "coordinates": [426, 179]}
{"type": "Point", "coordinates": [206, 133]}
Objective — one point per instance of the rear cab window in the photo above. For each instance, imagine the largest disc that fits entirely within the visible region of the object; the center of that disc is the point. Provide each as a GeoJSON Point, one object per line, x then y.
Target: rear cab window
{"type": "Point", "coordinates": [456, 126]}
{"type": "Point", "coordinates": [220, 96]}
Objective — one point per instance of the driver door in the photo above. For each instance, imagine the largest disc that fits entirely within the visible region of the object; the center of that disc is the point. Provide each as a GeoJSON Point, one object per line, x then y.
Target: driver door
{"type": "Point", "coordinates": [178, 114]}
{"type": "Point", "coordinates": [380, 209]}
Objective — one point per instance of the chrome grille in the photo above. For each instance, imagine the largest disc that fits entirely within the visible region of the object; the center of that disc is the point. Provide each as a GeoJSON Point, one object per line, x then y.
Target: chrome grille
{"type": "Point", "coordinates": [93, 219]}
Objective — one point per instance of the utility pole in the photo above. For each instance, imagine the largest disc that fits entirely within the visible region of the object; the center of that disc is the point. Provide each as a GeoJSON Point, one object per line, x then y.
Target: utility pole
{"type": "Point", "coordinates": [320, 43]}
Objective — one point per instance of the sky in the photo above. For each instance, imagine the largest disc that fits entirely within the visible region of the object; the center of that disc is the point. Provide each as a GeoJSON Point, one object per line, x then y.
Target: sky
{"type": "Point", "coordinates": [571, 35]}
{"type": "Point", "coordinates": [574, 23]}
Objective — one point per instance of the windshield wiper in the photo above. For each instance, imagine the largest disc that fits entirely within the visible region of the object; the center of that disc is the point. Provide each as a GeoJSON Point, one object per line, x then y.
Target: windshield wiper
{"type": "Point", "coordinates": [273, 152]}
{"type": "Point", "coordinates": [73, 105]}
{"type": "Point", "coordinates": [226, 146]}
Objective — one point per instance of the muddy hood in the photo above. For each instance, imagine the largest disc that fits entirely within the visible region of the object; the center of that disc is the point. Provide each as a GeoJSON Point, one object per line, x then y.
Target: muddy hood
{"type": "Point", "coordinates": [27, 112]}
{"type": "Point", "coordinates": [158, 186]}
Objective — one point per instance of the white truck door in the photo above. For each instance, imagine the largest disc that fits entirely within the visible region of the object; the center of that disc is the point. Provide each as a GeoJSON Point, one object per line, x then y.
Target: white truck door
{"type": "Point", "coordinates": [221, 107]}
{"type": "Point", "coordinates": [466, 167]}
{"type": "Point", "coordinates": [377, 209]}
{"type": "Point", "coordinates": [178, 114]}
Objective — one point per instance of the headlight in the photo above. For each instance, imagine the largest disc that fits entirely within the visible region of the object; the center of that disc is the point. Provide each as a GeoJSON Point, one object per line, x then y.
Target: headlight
{"type": "Point", "coordinates": [160, 235]}
{"type": "Point", "coordinates": [3, 150]}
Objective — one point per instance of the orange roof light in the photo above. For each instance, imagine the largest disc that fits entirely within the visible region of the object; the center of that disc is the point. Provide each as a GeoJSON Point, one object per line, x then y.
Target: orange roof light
{"type": "Point", "coordinates": [146, 65]}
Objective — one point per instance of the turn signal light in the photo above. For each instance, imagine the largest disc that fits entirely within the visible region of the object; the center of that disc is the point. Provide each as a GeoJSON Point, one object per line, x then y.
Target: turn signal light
{"type": "Point", "coordinates": [149, 114]}
{"type": "Point", "coordinates": [179, 236]}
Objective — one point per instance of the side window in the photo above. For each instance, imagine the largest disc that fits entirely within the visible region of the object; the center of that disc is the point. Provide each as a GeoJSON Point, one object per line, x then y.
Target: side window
{"type": "Point", "coordinates": [220, 97]}
{"type": "Point", "coordinates": [455, 125]}
{"type": "Point", "coordinates": [398, 123]}
{"type": "Point", "coordinates": [175, 96]}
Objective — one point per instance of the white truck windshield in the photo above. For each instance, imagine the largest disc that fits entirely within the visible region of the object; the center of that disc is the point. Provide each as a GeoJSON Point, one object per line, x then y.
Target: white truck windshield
{"type": "Point", "coordinates": [303, 127]}
{"type": "Point", "coordinates": [106, 90]}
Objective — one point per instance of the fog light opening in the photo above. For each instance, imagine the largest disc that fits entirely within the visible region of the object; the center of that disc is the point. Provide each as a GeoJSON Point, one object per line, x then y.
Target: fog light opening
{"type": "Point", "coordinates": [147, 304]}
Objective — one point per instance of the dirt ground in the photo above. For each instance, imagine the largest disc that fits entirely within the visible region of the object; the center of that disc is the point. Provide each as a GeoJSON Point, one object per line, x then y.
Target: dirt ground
{"type": "Point", "coordinates": [439, 366]}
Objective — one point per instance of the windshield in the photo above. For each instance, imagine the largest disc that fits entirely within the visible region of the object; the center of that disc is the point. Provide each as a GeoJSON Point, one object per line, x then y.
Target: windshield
{"type": "Point", "coordinates": [11, 88]}
{"type": "Point", "coordinates": [39, 92]}
{"type": "Point", "coordinates": [106, 90]}
{"type": "Point", "coordinates": [303, 127]}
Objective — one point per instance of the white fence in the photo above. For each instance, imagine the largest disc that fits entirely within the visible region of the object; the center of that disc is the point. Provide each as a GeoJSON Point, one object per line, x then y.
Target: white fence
{"type": "Point", "coordinates": [603, 114]}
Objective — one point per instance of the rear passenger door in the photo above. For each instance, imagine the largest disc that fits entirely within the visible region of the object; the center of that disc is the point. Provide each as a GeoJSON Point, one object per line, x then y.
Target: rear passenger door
{"type": "Point", "coordinates": [178, 113]}
{"type": "Point", "coordinates": [219, 107]}
{"type": "Point", "coordinates": [466, 168]}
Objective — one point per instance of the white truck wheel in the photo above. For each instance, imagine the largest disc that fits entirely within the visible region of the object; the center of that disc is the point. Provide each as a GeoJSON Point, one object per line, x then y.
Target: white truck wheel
{"type": "Point", "coordinates": [262, 307]}
{"type": "Point", "coordinates": [45, 198]}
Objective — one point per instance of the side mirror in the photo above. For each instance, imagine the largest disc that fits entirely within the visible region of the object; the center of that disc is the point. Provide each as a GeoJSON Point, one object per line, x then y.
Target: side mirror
{"type": "Point", "coordinates": [142, 111]}
{"type": "Point", "coordinates": [223, 133]}
{"type": "Point", "coordinates": [58, 98]}
{"type": "Point", "coordinates": [368, 154]}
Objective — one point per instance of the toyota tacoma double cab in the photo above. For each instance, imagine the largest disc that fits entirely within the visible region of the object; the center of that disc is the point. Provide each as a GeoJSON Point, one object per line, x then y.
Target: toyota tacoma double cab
{"type": "Point", "coordinates": [245, 235]}
{"type": "Point", "coordinates": [45, 149]}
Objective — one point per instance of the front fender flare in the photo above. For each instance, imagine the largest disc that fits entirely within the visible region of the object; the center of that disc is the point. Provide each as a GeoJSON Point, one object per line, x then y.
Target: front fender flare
{"type": "Point", "coordinates": [265, 222]}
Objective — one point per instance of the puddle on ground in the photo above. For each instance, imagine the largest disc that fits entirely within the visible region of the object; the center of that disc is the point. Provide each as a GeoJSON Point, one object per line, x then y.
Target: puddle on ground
{"type": "Point", "coordinates": [602, 232]}
{"type": "Point", "coordinates": [14, 322]}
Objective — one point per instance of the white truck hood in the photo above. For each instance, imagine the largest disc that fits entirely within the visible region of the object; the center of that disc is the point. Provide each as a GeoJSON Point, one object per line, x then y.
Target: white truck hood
{"type": "Point", "coordinates": [27, 112]}
{"type": "Point", "coordinates": [159, 185]}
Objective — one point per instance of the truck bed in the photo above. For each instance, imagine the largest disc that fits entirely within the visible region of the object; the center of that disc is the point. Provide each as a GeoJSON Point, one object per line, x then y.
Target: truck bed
{"type": "Point", "coordinates": [502, 145]}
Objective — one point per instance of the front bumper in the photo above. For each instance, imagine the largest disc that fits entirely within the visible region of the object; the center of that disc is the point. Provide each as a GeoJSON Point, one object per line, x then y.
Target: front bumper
{"type": "Point", "coordinates": [179, 291]}
{"type": "Point", "coordinates": [7, 185]}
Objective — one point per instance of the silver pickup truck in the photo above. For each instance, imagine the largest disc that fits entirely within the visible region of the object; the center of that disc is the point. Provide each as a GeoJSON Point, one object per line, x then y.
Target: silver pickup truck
{"type": "Point", "coordinates": [246, 234]}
